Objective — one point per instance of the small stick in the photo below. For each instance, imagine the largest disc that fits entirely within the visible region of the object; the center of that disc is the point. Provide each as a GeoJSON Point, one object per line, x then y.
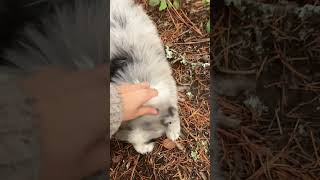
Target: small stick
{"type": "Point", "coordinates": [278, 120]}
{"type": "Point", "coordinates": [303, 104]}
{"type": "Point", "coordinates": [315, 149]}
{"type": "Point", "coordinates": [134, 167]}
{"type": "Point", "coordinates": [196, 42]}
{"type": "Point", "coordinates": [284, 62]}
{"type": "Point", "coordinates": [228, 71]}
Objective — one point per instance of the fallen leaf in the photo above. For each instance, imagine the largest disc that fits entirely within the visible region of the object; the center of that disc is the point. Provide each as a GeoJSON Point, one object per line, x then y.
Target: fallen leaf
{"type": "Point", "coordinates": [203, 175]}
{"type": "Point", "coordinates": [226, 122]}
{"type": "Point", "coordinates": [168, 144]}
{"type": "Point", "coordinates": [233, 85]}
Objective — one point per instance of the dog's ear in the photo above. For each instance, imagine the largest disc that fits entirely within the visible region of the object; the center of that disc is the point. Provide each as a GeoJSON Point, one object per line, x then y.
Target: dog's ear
{"type": "Point", "coordinates": [168, 114]}
{"type": "Point", "coordinates": [172, 110]}
{"type": "Point", "coordinates": [119, 63]}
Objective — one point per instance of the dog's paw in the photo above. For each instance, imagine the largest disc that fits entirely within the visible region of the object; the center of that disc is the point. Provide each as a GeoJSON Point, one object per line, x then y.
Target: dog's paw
{"type": "Point", "coordinates": [144, 148]}
{"type": "Point", "coordinates": [173, 132]}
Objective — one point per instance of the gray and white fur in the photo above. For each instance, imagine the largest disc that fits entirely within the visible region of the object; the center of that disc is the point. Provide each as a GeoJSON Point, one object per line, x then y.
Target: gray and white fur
{"type": "Point", "coordinates": [137, 55]}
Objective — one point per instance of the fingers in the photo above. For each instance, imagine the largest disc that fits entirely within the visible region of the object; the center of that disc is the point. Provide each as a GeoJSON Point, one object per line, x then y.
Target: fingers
{"type": "Point", "coordinates": [147, 94]}
{"type": "Point", "coordinates": [138, 86]}
{"type": "Point", "coordinates": [145, 110]}
{"type": "Point", "coordinates": [126, 87]}
{"type": "Point", "coordinates": [134, 96]}
{"type": "Point", "coordinates": [144, 84]}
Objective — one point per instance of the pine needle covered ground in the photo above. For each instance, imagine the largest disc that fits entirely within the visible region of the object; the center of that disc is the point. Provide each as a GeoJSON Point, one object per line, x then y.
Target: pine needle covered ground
{"type": "Point", "coordinates": [267, 61]}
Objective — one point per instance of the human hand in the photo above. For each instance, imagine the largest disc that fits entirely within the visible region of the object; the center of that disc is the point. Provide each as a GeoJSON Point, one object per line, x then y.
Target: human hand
{"type": "Point", "coordinates": [71, 107]}
{"type": "Point", "coordinates": [133, 97]}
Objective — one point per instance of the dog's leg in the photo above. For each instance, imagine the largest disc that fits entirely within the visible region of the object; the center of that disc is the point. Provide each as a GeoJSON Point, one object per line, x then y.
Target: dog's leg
{"type": "Point", "coordinates": [173, 131]}
{"type": "Point", "coordinates": [173, 124]}
{"type": "Point", "coordinates": [140, 139]}
{"type": "Point", "coordinates": [144, 148]}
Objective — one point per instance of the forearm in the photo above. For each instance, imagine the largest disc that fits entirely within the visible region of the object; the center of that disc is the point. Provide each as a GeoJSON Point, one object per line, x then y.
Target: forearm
{"type": "Point", "coordinates": [72, 110]}
{"type": "Point", "coordinates": [115, 110]}
{"type": "Point", "coordinates": [19, 142]}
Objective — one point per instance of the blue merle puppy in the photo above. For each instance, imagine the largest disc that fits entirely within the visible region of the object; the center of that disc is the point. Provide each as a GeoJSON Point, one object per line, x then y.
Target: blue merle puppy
{"type": "Point", "coordinates": [137, 55]}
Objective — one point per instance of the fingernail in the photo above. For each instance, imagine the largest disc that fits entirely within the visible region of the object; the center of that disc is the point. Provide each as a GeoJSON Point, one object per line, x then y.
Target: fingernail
{"type": "Point", "coordinates": [155, 93]}
{"type": "Point", "coordinates": [155, 111]}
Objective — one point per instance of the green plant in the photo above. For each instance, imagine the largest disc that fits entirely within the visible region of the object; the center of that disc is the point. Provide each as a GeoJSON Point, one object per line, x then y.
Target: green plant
{"type": "Point", "coordinates": [175, 57]}
{"type": "Point", "coordinates": [164, 4]}
{"type": "Point", "coordinates": [195, 152]}
{"type": "Point", "coordinates": [208, 28]}
{"type": "Point", "coordinates": [206, 2]}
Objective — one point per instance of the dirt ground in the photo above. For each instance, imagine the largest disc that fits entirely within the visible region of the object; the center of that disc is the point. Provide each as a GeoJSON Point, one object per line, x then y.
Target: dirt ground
{"type": "Point", "coordinates": [266, 59]}
{"type": "Point", "coordinates": [183, 32]}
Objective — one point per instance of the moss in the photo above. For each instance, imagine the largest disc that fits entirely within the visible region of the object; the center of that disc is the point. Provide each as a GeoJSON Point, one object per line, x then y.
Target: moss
{"type": "Point", "coordinates": [307, 10]}
{"type": "Point", "coordinates": [236, 3]}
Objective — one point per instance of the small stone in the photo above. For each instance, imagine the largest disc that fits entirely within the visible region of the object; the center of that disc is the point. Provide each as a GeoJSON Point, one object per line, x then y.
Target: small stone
{"type": "Point", "coordinates": [128, 165]}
